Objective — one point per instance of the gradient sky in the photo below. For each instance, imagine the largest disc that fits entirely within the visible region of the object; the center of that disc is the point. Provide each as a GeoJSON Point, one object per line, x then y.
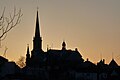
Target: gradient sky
{"type": "Point", "coordinates": [92, 26]}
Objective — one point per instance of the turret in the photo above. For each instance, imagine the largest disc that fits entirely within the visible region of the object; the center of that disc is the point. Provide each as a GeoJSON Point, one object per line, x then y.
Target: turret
{"type": "Point", "coordinates": [63, 45]}
{"type": "Point", "coordinates": [27, 56]}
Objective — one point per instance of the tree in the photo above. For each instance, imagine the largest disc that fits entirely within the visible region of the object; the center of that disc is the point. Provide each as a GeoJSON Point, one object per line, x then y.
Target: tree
{"type": "Point", "coordinates": [21, 62]}
{"type": "Point", "coordinates": [8, 23]}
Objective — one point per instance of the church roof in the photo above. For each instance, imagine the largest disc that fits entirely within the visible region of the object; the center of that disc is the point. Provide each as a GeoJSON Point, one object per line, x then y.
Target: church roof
{"type": "Point", "coordinates": [88, 66]}
{"type": "Point", "coordinates": [113, 64]}
{"type": "Point", "coordinates": [2, 59]}
{"type": "Point", "coordinates": [67, 54]}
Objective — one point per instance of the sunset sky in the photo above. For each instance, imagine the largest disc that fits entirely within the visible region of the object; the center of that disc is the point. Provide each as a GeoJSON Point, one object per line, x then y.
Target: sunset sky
{"type": "Point", "coordinates": [92, 26]}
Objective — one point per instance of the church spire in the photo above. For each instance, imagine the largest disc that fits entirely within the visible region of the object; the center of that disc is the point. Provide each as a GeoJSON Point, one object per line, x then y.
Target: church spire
{"type": "Point", "coordinates": [37, 30]}
{"type": "Point", "coordinates": [37, 41]}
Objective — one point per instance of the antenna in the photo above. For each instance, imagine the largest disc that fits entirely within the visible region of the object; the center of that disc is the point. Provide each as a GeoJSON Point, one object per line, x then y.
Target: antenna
{"type": "Point", "coordinates": [101, 56]}
{"type": "Point", "coordinates": [112, 55]}
{"type": "Point", "coordinates": [37, 2]}
{"type": "Point", "coordinates": [47, 47]}
{"type": "Point", "coordinates": [52, 46]}
{"type": "Point", "coordinates": [37, 8]}
{"type": "Point", "coordinates": [5, 51]}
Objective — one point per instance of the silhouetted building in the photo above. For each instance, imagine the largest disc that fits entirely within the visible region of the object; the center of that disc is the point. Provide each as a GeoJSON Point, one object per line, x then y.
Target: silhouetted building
{"type": "Point", "coordinates": [37, 55]}
{"type": "Point", "coordinates": [42, 64]}
{"type": "Point", "coordinates": [8, 69]}
{"type": "Point", "coordinates": [54, 64]}
{"type": "Point", "coordinates": [35, 61]}
{"type": "Point", "coordinates": [64, 64]}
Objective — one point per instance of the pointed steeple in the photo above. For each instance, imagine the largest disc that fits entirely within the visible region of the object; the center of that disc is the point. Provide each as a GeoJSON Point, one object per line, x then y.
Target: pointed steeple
{"type": "Point", "coordinates": [27, 56]}
{"type": "Point", "coordinates": [37, 30]}
{"type": "Point", "coordinates": [113, 64]}
{"type": "Point", "coordinates": [37, 41]}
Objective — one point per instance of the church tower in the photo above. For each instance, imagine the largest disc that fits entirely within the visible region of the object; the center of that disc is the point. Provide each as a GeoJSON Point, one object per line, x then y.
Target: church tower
{"type": "Point", "coordinates": [37, 54]}
{"type": "Point", "coordinates": [37, 40]}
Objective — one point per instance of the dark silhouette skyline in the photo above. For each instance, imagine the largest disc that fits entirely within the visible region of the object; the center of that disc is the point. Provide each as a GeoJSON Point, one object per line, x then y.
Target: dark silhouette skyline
{"type": "Point", "coordinates": [57, 64]}
{"type": "Point", "coordinates": [64, 64]}
{"type": "Point", "coordinates": [92, 27]}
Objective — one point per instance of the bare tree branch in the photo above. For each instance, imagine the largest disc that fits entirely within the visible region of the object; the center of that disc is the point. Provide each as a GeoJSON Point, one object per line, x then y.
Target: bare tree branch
{"type": "Point", "coordinates": [8, 23]}
{"type": "Point", "coordinates": [2, 19]}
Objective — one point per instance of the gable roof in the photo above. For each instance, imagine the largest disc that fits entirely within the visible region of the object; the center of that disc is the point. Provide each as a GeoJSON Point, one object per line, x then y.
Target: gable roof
{"type": "Point", "coordinates": [88, 66]}
{"type": "Point", "coordinates": [68, 55]}
{"type": "Point", "coordinates": [113, 64]}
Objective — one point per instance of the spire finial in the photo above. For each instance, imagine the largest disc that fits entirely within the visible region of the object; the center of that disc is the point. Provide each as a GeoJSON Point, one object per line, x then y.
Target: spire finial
{"type": "Point", "coordinates": [37, 8]}
{"type": "Point", "coordinates": [112, 55]}
{"type": "Point", "coordinates": [47, 47]}
{"type": "Point", "coordinates": [63, 45]}
{"type": "Point", "coordinates": [27, 47]}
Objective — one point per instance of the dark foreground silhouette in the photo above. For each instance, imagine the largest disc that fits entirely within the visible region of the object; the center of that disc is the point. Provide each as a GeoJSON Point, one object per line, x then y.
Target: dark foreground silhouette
{"type": "Point", "coordinates": [63, 64]}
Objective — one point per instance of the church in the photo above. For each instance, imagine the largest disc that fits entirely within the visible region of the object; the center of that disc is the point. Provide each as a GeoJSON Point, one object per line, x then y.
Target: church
{"type": "Point", "coordinates": [64, 64]}
{"type": "Point", "coordinates": [38, 61]}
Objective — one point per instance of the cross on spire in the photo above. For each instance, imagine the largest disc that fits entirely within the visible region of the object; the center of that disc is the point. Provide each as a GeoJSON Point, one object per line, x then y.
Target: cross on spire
{"type": "Point", "coordinates": [37, 8]}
